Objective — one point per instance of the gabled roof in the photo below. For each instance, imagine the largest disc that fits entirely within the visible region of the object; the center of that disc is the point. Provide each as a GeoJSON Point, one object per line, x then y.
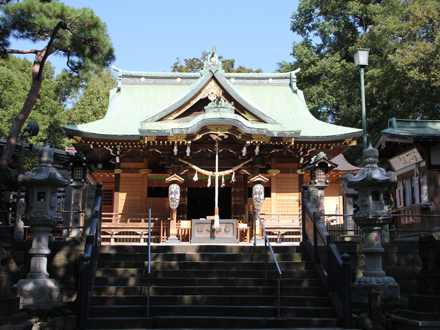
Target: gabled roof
{"type": "Point", "coordinates": [160, 104]}
{"type": "Point", "coordinates": [407, 130]}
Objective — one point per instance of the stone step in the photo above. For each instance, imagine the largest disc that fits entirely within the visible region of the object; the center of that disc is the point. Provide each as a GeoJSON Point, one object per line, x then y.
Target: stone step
{"type": "Point", "coordinates": [230, 300]}
{"type": "Point", "coordinates": [194, 248]}
{"type": "Point", "coordinates": [208, 290]}
{"type": "Point", "coordinates": [207, 265]}
{"type": "Point", "coordinates": [208, 322]}
{"type": "Point", "coordinates": [193, 273]}
{"type": "Point", "coordinates": [205, 256]}
{"type": "Point", "coordinates": [214, 310]}
{"type": "Point", "coordinates": [225, 281]}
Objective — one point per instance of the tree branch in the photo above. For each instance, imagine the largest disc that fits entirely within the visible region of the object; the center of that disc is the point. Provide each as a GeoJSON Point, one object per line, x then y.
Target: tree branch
{"type": "Point", "coordinates": [20, 51]}
{"type": "Point", "coordinates": [60, 25]}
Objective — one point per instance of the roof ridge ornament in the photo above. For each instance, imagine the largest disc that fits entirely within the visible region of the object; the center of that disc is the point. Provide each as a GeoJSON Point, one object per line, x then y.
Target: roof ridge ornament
{"type": "Point", "coordinates": [219, 105]}
{"type": "Point", "coordinates": [293, 80]}
{"type": "Point", "coordinates": [119, 85]}
{"type": "Point", "coordinates": [212, 64]}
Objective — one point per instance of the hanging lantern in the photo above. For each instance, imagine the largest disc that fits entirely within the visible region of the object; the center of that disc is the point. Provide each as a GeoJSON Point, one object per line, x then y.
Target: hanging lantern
{"type": "Point", "coordinates": [174, 195]}
{"type": "Point", "coordinates": [258, 195]}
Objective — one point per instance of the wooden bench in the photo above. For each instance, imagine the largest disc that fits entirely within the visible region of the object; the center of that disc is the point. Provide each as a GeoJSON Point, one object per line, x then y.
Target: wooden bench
{"type": "Point", "coordinates": [283, 226]}
{"type": "Point", "coordinates": [132, 228]}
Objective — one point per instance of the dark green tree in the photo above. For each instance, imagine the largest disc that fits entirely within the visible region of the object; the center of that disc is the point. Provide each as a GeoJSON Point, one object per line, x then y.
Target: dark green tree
{"type": "Point", "coordinates": [196, 65]}
{"type": "Point", "coordinates": [77, 34]}
{"type": "Point", "coordinates": [402, 76]}
{"type": "Point", "coordinates": [93, 102]}
{"type": "Point", "coordinates": [48, 112]}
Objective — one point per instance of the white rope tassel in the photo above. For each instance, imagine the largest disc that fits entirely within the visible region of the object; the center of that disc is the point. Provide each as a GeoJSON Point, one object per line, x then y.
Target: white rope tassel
{"type": "Point", "coordinates": [223, 181]}
{"type": "Point", "coordinates": [196, 177]}
{"type": "Point", "coordinates": [233, 177]}
{"type": "Point", "coordinates": [209, 182]}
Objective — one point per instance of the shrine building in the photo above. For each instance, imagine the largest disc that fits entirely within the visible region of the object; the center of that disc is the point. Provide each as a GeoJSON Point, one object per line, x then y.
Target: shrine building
{"type": "Point", "coordinates": [163, 127]}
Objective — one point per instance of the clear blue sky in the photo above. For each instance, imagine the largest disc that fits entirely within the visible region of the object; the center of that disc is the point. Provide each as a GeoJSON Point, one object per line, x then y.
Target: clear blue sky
{"type": "Point", "coordinates": [148, 35]}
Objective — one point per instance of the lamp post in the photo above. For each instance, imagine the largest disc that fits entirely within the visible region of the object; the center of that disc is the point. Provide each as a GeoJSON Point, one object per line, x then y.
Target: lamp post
{"type": "Point", "coordinates": [361, 61]}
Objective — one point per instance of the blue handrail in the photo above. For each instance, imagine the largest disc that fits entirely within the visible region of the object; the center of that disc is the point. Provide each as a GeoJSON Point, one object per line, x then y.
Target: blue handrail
{"type": "Point", "coordinates": [280, 273]}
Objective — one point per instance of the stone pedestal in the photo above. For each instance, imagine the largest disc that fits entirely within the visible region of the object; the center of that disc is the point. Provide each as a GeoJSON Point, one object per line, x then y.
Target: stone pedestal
{"type": "Point", "coordinates": [38, 290]}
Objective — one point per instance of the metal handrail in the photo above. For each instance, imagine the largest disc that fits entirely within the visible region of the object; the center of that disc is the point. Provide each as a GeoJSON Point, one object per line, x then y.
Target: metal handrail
{"type": "Point", "coordinates": [89, 261]}
{"type": "Point", "coordinates": [280, 273]}
{"type": "Point", "coordinates": [149, 263]}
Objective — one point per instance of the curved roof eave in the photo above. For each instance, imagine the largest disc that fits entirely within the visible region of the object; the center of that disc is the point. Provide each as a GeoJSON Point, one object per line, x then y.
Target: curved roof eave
{"type": "Point", "coordinates": [84, 134]}
{"type": "Point", "coordinates": [192, 90]}
{"type": "Point", "coordinates": [234, 120]}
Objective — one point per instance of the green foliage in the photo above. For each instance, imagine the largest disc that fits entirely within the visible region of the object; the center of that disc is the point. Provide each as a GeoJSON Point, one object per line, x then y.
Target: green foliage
{"type": "Point", "coordinates": [92, 104]}
{"type": "Point", "coordinates": [48, 112]}
{"type": "Point", "coordinates": [196, 65]}
{"type": "Point", "coordinates": [402, 75]}
{"type": "Point", "coordinates": [84, 41]}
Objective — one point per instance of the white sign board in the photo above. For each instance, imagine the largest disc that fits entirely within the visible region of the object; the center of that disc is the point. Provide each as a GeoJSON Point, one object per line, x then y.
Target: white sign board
{"type": "Point", "coordinates": [406, 159]}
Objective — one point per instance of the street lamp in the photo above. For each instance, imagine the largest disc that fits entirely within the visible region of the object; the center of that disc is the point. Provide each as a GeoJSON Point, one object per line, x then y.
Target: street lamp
{"type": "Point", "coordinates": [361, 61]}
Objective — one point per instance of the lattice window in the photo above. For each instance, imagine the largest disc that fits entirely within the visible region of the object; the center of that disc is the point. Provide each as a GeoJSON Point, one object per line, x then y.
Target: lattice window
{"type": "Point", "coordinates": [107, 197]}
{"type": "Point", "coordinates": [287, 194]}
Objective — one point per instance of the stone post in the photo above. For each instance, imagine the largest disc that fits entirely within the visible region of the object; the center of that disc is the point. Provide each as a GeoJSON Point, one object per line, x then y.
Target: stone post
{"type": "Point", "coordinates": [75, 220]}
{"type": "Point", "coordinates": [38, 290]}
{"type": "Point", "coordinates": [371, 217]}
{"type": "Point", "coordinates": [258, 200]}
{"type": "Point", "coordinates": [174, 200]}
{"type": "Point", "coordinates": [348, 194]}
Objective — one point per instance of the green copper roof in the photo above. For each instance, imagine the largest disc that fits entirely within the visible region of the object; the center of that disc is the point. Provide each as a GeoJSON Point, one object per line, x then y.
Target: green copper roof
{"type": "Point", "coordinates": [142, 99]}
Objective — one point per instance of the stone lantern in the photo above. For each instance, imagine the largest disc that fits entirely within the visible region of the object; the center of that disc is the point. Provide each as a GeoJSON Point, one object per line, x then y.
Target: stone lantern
{"type": "Point", "coordinates": [371, 216]}
{"type": "Point", "coordinates": [38, 290]}
{"type": "Point", "coordinates": [318, 167]}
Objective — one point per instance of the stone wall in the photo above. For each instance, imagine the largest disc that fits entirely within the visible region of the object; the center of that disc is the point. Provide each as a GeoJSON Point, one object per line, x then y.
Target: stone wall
{"type": "Point", "coordinates": [62, 264]}
{"type": "Point", "coordinates": [400, 261]}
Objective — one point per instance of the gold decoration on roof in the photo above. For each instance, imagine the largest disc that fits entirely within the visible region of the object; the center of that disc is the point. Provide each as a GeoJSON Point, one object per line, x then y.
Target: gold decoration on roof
{"type": "Point", "coordinates": [145, 171]}
{"type": "Point", "coordinates": [273, 171]}
{"type": "Point", "coordinates": [250, 116]}
{"type": "Point", "coordinates": [177, 137]}
{"type": "Point", "coordinates": [261, 138]}
{"type": "Point", "coordinates": [350, 142]}
{"type": "Point", "coordinates": [76, 139]}
{"type": "Point", "coordinates": [219, 129]}
{"type": "Point", "coordinates": [172, 115]}
{"type": "Point", "coordinates": [149, 139]}
{"type": "Point", "coordinates": [288, 140]}
{"type": "Point", "coordinates": [212, 91]}
{"type": "Point", "coordinates": [118, 171]}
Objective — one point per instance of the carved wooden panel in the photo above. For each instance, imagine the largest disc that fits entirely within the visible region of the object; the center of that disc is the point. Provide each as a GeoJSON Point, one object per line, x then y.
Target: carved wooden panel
{"type": "Point", "coordinates": [287, 193]}
{"type": "Point", "coordinates": [130, 194]}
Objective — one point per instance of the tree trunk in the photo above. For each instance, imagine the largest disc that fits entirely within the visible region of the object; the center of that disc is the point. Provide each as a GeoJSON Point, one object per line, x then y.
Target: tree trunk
{"type": "Point", "coordinates": [23, 115]}
{"type": "Point", "coordinates": [37, 79]}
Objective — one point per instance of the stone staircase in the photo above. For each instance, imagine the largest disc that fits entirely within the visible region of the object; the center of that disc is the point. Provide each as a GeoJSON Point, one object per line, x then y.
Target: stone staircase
{"type": "Point", "coordinates": [201, 286]}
